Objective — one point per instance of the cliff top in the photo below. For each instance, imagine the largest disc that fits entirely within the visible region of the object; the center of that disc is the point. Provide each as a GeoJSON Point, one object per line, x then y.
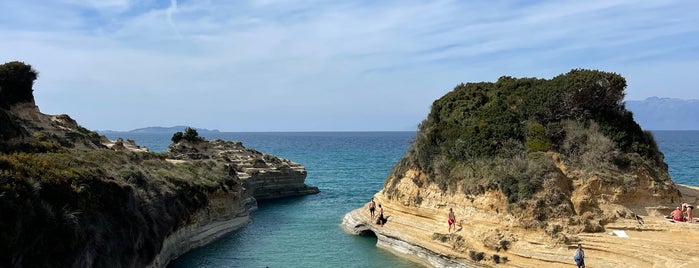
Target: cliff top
{"type": "Point", "coordinates": [108, 203]}
{"type": "Point", "coordinates": [527, 137]}
{"type": "Point", "coordinates": [531, 167]}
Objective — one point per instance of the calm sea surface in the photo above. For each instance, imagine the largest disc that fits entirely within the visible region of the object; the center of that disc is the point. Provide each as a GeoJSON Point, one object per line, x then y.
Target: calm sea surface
{"type": "Point", "coordinates": [349, 168]}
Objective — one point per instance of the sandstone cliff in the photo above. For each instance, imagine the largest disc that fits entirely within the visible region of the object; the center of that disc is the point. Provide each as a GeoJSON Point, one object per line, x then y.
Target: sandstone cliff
{"type": "Point", "coordinates": [264, 176]}
{"type": "Point", "coordinates": [72, 198]}
{"type": "Point", "coordinates": [532, 167]}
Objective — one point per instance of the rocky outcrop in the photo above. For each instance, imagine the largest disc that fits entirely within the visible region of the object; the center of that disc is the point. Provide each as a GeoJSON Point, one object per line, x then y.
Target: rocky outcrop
{"type": "Point", "coordinates": [487, 236]}
{"type": "Point", "coordinates": [114, 203]}
{"type": "Point", "coordinates": [264, 176]}
{"type": "Point", "coordinates": [358, 223]}
{"type": "Point", "coordinates": [532, 167]}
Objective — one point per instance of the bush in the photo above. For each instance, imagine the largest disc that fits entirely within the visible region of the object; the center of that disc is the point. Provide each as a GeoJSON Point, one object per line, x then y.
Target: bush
{"type": "Point", "coordinates": [177, 137]}
{"type": "Point", "coordinates": [476, 256]}
{"type": "Point", "coordinates": [190, 135]}
{"type": "Point", "coordinates": [537, 140]}
{"type": "Point", "coordinates": [104, 208]}
{"type": "Point", "coordinates": [505, 126]}
{"type": "Point", "coordinates": [16, 82]}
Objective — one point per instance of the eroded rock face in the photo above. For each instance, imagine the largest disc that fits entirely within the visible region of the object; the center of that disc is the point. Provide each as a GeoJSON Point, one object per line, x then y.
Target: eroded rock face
{"type": "Point", "coordinates": [113, 203]}
{"type": "Point", "coordinates": [72, 198]}
{"type": "Point", "coordinates": [488, 233]}
{"type": "Point", "coordinates": [264, 176]}
{"type": "Point", "coordinates": [26, 125]}
{"type": "Point", "coordinates": [530, 167]}
{"type": "Point", "coordinates": [225, 213]}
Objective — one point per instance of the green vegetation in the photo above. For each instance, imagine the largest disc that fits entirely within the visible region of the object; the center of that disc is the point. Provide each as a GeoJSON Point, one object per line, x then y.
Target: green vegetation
{"type": "Point", "coordinates": [16, 82]}
{"type": "Point", "coordinates": [112, 207]}
{"type": "Point", "coordinates": [488, 136]}
{"type": "Point", "coordinates": [68, 201]}
{"type": "Point", "coordinates": [190, 135]}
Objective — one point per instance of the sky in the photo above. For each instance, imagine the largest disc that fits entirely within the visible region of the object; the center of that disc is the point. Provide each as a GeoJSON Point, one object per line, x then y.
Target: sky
{"type": "Point", "coordinates": [327, 65]}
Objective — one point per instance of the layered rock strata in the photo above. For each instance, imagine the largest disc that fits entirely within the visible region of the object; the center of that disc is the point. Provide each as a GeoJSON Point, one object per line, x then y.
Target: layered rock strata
{"type": "Point", "coordinates": [264, 176]}
{"type": "Point", "coordinates": [180, 200]}
{"type": "Point", "coordinates": [487, 236]}
{"type": "Point", "coordinates": [532, 167]}
{"type": "Point", "coordinates": [223, 216]}
{"type": "Point", "coordinates": [72, 198]}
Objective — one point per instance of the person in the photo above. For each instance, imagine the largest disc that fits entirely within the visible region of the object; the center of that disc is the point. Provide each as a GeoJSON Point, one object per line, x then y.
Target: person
{"type": "Point", "coordinates": [579, 257]}
{"type": "Point", "coordinates": [381, 219]}
{"type": "Point", "coordinates": [688, 208]}
{"type": "Point", "coordinates": [372, 207]}
{"type": "Point", "coordinates": [676, 215]}
{"type": "Point", "coordinates": [452, 220]}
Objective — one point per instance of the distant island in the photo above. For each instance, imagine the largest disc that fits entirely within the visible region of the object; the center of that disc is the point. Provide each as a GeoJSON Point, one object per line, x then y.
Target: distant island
{"type": "Point", "coordinates": [656, 113]}
{"type": "Point", "coordinates": [163, 130]}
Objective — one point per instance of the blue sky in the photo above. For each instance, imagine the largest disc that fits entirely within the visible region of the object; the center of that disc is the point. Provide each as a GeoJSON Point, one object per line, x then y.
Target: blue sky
{"type": "Point", "coordinates": [327, 65]}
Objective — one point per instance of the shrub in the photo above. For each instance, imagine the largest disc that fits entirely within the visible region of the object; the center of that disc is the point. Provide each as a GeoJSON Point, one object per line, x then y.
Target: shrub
{"type": "Point", "coordinates": [476, 256]}
{"type": "Point", "coordinates": [537, 140]}
{"type": "Point", "coordinates": [190, 135]}
{"type": "Point", "coordinates": [16, 82]}
{"type": "Point", "coordinates": [505, 126]}
{"type": "Point", "coordinates": [177, 137]}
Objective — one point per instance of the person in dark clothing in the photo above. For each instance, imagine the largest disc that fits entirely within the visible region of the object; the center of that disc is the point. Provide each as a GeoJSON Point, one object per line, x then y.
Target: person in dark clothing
{"type": "Point", "coordinates": [579, 257]}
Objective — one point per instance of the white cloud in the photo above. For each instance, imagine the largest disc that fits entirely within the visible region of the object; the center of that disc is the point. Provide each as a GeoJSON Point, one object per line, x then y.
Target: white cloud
{"type": "Point", "coordinates": [225, 61]}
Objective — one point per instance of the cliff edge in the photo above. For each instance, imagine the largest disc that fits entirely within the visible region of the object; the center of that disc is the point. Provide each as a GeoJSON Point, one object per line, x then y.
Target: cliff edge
{"type": "Point", "coordinates": [532, 167]}
{"type": "Point", "coordinates": [72, 198]}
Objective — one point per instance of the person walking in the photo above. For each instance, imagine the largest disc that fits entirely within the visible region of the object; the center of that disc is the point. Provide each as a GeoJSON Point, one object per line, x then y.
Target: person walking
{"type": "Point", "coordinates": [451, 220]}
{"type": "Point", "coordinates": [372, 207]}
{"type": "Point", "coordinates": [579, 257]}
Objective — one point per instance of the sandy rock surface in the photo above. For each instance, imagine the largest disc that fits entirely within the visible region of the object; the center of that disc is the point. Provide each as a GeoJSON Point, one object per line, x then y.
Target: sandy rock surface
{"type": "Point", "coordinates": [655, 242]}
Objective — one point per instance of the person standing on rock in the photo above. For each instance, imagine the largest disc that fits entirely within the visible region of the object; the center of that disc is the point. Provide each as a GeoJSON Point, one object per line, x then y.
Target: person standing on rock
{"type": "Point", "coordinates": [452, 220]}
{"type": "Point", "coordinates": [372, 207]}
{"type": "Point", "coordinates": [381, 220]}
{"type": "Point", "coordinates": [579, 257]}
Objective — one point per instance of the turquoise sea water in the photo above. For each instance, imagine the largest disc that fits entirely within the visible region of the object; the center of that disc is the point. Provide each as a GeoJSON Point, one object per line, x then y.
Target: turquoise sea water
{"type": "Point", "coordinates": [349, 168]}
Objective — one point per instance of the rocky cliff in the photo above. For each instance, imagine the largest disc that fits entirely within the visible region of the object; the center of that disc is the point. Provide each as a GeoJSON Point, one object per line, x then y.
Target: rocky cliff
{"type": "Point", "coordinates": [532, 167]}
{"type": "Point", "coordinates": [72, 198]}
{"type": "Point", "coordinates": [264, 176]}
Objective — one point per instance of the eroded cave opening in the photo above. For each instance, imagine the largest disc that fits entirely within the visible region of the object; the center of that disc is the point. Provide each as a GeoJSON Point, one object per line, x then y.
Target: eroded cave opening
{"type": "Point", "coordinates": [367, 233]}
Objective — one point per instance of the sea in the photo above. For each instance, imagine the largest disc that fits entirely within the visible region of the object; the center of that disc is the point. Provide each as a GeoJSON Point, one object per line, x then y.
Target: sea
{"type": "Point", "coordinates": [349, 168]}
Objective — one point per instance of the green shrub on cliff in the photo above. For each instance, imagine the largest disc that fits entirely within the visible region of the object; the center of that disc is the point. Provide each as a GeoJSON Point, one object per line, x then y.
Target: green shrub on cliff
{"type": "Point", "coordinates": [66, 200]}
{"type": "Point", "coordinates": [483, 136]}
{"type": "Point", "coordinates": [190, 135]}
{"type": "Point", "coordinates": [16, 82]}
{"type": "Point", "coordinates": [97, 208]}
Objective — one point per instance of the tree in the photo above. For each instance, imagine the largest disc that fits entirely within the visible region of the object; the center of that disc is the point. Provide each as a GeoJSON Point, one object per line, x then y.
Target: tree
{"type": "Point", "coordinates": [190, 135]}
{"type": "Point", "coordinates": [16, 82]}
{"type": "Point", "coordinates": [177, 137]}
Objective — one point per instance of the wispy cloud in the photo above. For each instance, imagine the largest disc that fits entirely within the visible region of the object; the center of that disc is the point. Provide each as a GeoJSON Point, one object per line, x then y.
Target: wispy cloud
{"type": "Point", "coordinates": [268, 65]}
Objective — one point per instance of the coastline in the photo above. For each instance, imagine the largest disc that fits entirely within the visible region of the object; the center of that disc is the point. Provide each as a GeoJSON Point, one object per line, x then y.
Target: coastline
{"type": "Point", "coordinates": [654, 243]}
{"type": "Point", "coordinates": [355, 223]}
{"type": "Point", "coordinates": [209, 224]}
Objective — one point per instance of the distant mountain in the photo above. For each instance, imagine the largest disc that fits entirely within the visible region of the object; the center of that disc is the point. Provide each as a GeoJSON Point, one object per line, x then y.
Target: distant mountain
{"type": "Point", "coordinates": [665, 113]}
{"type": "Point", "coordinates": [164, 130]}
